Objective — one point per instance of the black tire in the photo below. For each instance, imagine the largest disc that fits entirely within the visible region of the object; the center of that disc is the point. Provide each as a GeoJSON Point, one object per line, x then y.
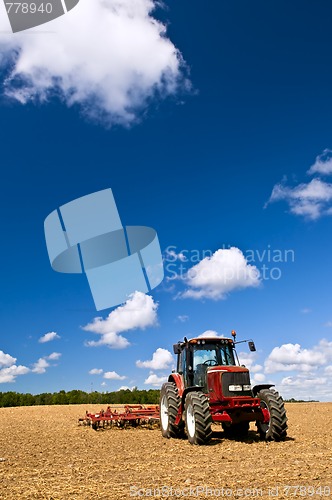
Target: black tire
{"type": "Point", "coordinates": [239, 430]}
{"type": "Point", "coordinates": [276, 428]}
{"type": "Point", "coordinates": [198, 418]}
{"type": "Point", "coordinates": [170, 403]}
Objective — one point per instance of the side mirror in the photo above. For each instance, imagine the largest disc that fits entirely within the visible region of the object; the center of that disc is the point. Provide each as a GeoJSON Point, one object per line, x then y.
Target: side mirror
{"type": "Point", "coordinates": [176, 349]}
{"type": "Point", "coordinates": [252, 346]}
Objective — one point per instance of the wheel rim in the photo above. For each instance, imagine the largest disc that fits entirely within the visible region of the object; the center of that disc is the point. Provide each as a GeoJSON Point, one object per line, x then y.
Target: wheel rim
{"type": "Point", "coordinates": [164, 412]}
{"type": "Point", "coordinates": [190, 421]}
{"type": "Point", "coordinates": [264, 426]}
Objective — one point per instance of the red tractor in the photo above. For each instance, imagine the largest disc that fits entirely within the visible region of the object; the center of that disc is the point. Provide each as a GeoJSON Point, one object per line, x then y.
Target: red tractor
{"type": "Point", "coordinates": [209, 386]}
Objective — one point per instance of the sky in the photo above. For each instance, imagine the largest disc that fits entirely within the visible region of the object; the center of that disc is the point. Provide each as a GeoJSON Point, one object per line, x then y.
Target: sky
{"type": "Point", "coordinates": [211, 123]}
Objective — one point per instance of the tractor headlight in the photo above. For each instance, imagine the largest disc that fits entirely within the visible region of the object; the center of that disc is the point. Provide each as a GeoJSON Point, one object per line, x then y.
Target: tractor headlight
{"type": "Point", "coordinates": [247, 387]}
{"type": "Point", "coordinates": [233, 388]}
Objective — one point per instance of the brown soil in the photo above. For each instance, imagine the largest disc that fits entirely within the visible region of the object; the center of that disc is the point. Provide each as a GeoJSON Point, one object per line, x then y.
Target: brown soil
{"type": "Point", "coordinates": [44, 454]}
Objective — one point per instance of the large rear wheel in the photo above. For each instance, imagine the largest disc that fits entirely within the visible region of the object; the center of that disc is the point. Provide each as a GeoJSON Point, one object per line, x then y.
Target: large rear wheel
{"type": "Point", "coordinates": [170, 403]}
{"type": "Point", "coordinates": [275, 429]}
{"type": "Point", "coordinates": [198, 418]}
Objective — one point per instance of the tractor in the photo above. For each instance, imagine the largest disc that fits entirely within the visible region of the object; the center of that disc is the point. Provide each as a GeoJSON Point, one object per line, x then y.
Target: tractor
{"type": "Point", "coordinates": [210, 386]}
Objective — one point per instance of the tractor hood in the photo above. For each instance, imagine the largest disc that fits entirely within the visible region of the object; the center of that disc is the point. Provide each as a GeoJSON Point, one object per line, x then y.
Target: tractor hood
{"type": "Point", "coordinates": [228, 381]}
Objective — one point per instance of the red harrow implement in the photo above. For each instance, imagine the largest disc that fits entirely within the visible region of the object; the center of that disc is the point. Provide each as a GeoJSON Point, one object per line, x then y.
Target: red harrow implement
{"type": "Point", "coordinates": [129, 415]}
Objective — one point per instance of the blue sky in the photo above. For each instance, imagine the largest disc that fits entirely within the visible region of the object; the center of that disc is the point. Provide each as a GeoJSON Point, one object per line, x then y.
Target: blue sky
{"type": "Point", "coordinates": [205, 130]}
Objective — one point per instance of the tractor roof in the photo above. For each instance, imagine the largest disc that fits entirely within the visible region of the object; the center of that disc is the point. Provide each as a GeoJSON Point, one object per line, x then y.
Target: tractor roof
{"type": "Point", "coordinates": [210, 340]}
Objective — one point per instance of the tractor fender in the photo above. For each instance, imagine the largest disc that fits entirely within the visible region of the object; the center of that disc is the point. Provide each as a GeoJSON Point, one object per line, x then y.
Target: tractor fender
{"type": "Point", "coordinates": [257, 388]}
{"type": "Point", "coordinates": [177, 379]}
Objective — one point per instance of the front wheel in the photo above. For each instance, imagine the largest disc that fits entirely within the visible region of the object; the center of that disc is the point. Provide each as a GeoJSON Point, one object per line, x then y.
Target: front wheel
{"type": "Point", "coordinates": [198, 418]}
{"type": "Point", "coordinates": [272, 404]}
{"type": "Point", "coordinates": [170, 403]}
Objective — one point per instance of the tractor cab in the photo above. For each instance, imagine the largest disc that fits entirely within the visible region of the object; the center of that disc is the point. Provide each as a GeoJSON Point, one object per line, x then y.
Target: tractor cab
{"type": "Point", "coordinates": [197, 355]}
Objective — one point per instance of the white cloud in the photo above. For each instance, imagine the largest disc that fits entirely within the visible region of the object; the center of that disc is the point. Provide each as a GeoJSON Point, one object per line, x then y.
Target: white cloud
{"type": "Point", "coordinates": [124, 388]}
{"type": "Point", "coordinates": [323, 164]}
{"type": "Point", "coordinates": [307, 387]}
{"type": "Point", "coordinates": [328, 324]}
{"type": "Point", "coordinates": [54, 356]}
{"type": "Point", "coordinates": [114, 376]}
{"type": "Point", "coordinates": [96, 371]}
{"type": "Point", "coordinates": [161, 359]}
{"type": "Point", "coordinates": [217, 275]}
{"type": "Point", "coordinates": [6, 359]}
{"type": "Point", "coordinates": [109, 56]}
{"type": "Point", "coordinates": [311, 200]}
{"type": "Point", "coordinates": [139, 312]}
{"type": "Point", "coordinates": [10, 373]}
{"type": "Point", "coordinates": [183, 318]}
{"type": "Point", "coordinates": [290, 357]}
{"type": "Point", "coordinates": [257, 378]}
{"type": "Point", "coordinates": [43, 363]}
{"type": "Point", "coordinates": [48, 337]}
{"type": "Point", "coordinates": [10, 370]}
{"type": "Point", "coordinates": [112, 339]}
{"type": "Point", "coordinates": [154, 380]}
{"type": "Point", "coordinates": [249, 360]}
{"type": "Point", "coordinates": [300, 381]}
{"type": "Point", "coordinates": [209, 333]}
{"type": "Point", "coordinates": [40, 366]}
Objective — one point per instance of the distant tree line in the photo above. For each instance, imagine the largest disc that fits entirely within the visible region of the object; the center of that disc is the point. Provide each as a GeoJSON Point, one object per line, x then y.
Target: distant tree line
{"type": "Point", "coordinates": [127, 396]}
{"type": "Point", "coordinates": [292, 400]}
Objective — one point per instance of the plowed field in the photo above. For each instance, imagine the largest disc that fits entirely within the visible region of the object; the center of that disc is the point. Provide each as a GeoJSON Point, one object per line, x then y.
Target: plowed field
{"type": "Point", "coordinates": [44, 454]}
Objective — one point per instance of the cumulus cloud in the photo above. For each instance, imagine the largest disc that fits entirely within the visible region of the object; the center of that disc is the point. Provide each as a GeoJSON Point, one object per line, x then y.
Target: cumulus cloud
{"type": "Point", "coordinates": [43, 363]}
{"type": "Point", "coordinates": [311, 200]}
{"type": "Point", "coordinates": [289, 357]}
{"type": "Point", "coordinates": [323, 164]}
{"type": "Point", "coordinates": [217, 275]}
{"type": "Point", "coordinates": [48, 337]}
{"type": "Point", "coordinates": [258, 378]}
{"type": "Point", "coordinates": [10, 373]}
{"type": "Point", "coordinates": [9, 370]}
{"type": "Point", "coordinates": [249, 360]}
{"type": "Point", "coordinates": [209, 333]}
{"type": "Point", "coordinates": [139, 312]}
{"type": "Point", "coordinates": [54, 356]}
{"type": "Point", "coordinates": [114, 376]}
{"type": "Point", "coordinates": [161, 359]}
{"type": "Point", "coordinates": [96, 371]}
{"type": "Point", "coordinates": [154, 380]}
{"type": "Point", "coordinates": [111, 57]}
{"type": "Point", "coordinates": [6, 359]}
{"type": "Point", "coordinates": [306, 386]}
{"type": "Point", "coordinates": [40, 366]}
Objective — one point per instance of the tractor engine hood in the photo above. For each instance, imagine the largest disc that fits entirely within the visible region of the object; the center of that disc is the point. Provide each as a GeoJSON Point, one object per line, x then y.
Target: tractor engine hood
{"type": "Point", "coordinates": [228, 381]}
